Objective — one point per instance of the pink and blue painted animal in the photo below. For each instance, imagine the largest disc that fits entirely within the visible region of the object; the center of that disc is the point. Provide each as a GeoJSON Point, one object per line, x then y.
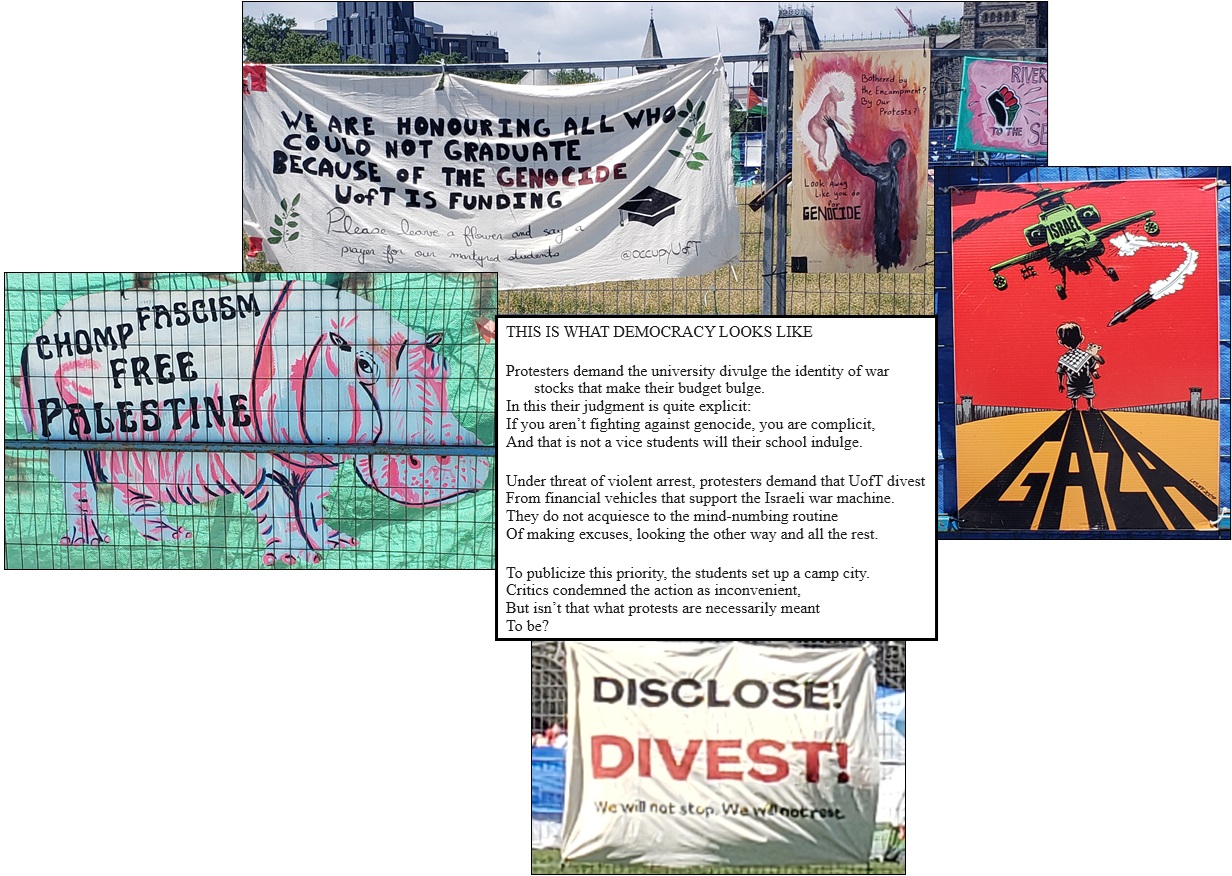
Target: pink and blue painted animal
{"type": "Point", "coordinates": [286, 363]}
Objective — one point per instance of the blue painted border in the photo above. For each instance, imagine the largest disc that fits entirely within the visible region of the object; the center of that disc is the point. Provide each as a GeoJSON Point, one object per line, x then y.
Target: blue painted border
{"type": "Point", "coordinates": [947, 484]}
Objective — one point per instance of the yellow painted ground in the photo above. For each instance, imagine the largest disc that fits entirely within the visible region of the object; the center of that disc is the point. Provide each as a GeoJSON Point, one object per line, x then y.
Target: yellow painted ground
{"type": "Point", "coordinates": [986, 447]}
{"type": "Point", "coordinates": [1188, 444]}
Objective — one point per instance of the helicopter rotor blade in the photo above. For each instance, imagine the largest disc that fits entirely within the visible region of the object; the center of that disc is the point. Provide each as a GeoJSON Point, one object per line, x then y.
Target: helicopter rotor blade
{"type": "Point", "coordinates": [980, 221]}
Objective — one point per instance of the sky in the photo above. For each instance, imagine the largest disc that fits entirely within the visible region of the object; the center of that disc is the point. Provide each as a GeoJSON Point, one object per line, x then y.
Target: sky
{"type": "Point", "coordinates": [616, 31]}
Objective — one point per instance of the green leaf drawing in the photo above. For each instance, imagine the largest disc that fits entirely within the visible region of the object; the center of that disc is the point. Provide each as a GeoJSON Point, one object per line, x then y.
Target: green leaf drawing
{"type": "Point", "coordinates": [694, 136]}
{"type": "Point", "coordinates": [280, 231]}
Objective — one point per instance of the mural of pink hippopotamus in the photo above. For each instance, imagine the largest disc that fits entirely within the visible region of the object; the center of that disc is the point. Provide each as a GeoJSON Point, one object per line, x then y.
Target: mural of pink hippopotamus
{"type": "Point", "coordinates": [287, 363]}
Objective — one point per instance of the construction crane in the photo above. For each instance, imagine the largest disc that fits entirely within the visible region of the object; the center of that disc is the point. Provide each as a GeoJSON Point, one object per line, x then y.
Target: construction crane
{"type": "Point", "coordinates": [906, 19]}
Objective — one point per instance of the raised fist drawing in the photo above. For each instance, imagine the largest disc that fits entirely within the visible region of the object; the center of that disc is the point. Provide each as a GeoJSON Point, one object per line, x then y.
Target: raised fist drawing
{"type": "Point", "coordinates": [1004, 105]}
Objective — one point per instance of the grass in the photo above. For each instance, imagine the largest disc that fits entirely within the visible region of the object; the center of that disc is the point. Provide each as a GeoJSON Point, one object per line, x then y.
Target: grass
{"type": "Point", "coordinates": [730, 290]}
{"type": "Point", "coordinates": [548, 861]}
{"type": "Point", "coordinates": [739, 289]}
{"type": "Point", "coordinates": [259, 263]}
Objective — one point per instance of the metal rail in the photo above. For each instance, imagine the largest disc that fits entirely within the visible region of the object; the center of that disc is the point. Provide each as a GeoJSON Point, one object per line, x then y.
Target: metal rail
{"type": "Point", "coordinates": [538, 65]}
{"type": "Point", "coordinates": [426, 69]}
{"type": "Point", "coordinates": [253, 447]}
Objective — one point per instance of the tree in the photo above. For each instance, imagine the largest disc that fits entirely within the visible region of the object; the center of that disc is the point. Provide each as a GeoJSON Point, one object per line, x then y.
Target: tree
{"type": "Point", "coordinates": [947, 25]}
{"type": "Point", "coordinates": [507, 74]}
{"type": "Point", "coordinates": [736, 117]}
{"type": "Point", "coordinates": [437, 58]}
{"type": "Point", "coordinates": [273, 40]}
{"type": "Point", "coordinates": [575, 77]}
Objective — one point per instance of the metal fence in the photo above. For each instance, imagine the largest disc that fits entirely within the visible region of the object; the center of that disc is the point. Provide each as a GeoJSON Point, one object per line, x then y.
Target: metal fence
{"type": "Point", "coordinates": [120, 436]}
{"type": "Point", "coordinates": [549, 706]}
{"type": "Point", "coordinates": [759, 281]}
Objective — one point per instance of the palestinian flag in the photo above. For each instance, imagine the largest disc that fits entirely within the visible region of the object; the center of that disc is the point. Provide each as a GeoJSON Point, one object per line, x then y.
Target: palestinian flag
{"type": "Point", "coordinates": [756, 106]}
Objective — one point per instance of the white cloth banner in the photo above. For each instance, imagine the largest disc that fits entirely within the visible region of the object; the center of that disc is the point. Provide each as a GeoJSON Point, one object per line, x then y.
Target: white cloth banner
{"type": "Point", "coordinates": [688, 754]}
{"type": "Point", "coordinates": [624, 179]}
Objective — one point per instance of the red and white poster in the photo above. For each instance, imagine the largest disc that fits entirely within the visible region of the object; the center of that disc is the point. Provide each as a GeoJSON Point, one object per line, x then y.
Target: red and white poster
{"type": "Point", "coordinates": [1086, 355]}
{"type": "Point", "coordinates": [686, 754]}
{"type": "Point", "coordinates": [859, 191]}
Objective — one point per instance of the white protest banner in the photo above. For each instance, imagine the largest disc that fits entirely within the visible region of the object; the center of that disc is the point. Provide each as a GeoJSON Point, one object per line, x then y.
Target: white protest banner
{"type": "Point", "coordinates": [685, 753]}
{"type": "Point", "coordinates": [559, 185]}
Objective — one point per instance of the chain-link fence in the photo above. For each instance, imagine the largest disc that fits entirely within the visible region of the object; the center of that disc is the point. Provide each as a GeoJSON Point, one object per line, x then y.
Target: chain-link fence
{"type": "Point", "coordinates": [549, 708]}
{"type": "Point", "coordinates": [364, 403]}
{"type": "Point", "coordinates": [753, 283]}
{"type": "Point", "coordinates": [744, 287]}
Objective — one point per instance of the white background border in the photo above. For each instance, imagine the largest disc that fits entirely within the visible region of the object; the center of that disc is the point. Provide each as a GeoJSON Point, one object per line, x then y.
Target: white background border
{"type": "Point", "coordinates": [244, 727]}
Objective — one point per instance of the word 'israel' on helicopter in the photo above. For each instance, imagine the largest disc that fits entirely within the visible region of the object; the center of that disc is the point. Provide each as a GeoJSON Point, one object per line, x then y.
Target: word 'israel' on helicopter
{"type": "Point", "coordinates": [1065, 237]}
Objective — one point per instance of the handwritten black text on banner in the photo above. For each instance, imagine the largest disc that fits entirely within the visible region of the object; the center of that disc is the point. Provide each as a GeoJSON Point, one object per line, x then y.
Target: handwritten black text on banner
{"type": "Point", "coordinates": [617, 180]}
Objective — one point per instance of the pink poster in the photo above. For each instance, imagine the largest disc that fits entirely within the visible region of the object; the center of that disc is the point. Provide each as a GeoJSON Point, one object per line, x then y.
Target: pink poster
{"type": "Point", "coordinates": [1004, 107]}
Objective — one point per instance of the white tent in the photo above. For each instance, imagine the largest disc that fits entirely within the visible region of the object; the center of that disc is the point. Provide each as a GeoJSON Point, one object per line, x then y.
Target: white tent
{"type": "Point", "coordinates": [892, 731]}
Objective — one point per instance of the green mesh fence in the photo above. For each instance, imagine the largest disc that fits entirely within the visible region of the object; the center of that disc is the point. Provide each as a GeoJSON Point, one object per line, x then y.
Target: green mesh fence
{"type": "Point", "coordinates": [222, 531]}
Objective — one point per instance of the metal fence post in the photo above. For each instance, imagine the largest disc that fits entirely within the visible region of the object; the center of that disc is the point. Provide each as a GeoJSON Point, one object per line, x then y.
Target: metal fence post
{"type": "Point", "coordinates": [778, 130]}
{"type": "Point", "coordinates": [782, 139]}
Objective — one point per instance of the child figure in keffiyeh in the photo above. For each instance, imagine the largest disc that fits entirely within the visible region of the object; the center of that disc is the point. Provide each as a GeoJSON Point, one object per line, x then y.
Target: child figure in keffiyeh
{"type": "Point", "coordinates": [1077, 370]}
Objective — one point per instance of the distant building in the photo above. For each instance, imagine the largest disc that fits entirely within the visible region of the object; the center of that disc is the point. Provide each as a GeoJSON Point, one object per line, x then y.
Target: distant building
{"type": "Point", "coordinates": [380, 32]}
{"type": "Point", "coordinates": [425, 34]}
{"type": "Point", "coordinates": [389, 33]}
{"type": "Point", "coordinates": [797, 21]}
{"type": "Point", "coordinates": [478, 48]}
{"type": "Point", "coordinates": [651, 49]}
{"type": "Point", "coordinates": [1004, 25]}
{"type": "Point", "coordinates": [984, 26]}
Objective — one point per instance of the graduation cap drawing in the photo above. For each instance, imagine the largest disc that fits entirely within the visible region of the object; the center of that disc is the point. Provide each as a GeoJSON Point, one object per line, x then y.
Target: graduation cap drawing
{"type": "Point", "coordinates": [650, 206]}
